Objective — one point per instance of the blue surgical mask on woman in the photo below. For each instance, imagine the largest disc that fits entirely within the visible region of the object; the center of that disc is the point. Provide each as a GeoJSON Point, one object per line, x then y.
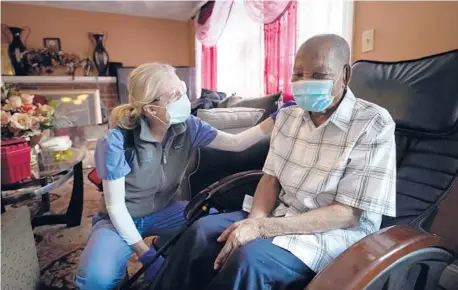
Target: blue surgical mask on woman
{"type": "Point", "coordinates": [180, 110]}
{"type": "Point", "coordinates": [313, 95]}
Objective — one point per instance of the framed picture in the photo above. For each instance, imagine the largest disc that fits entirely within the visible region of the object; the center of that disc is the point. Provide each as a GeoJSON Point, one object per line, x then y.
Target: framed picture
{"type": "Point", "coordinates": [52, 44]}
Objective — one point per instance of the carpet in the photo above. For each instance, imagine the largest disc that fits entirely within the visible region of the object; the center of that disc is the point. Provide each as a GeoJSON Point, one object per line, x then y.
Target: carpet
{"type": "Point", "coordinates": [59, 247]}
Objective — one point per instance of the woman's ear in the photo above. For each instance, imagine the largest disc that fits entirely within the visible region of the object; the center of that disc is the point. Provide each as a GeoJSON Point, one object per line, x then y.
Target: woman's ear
{"type": "Point", "coordinates": [150, 110]}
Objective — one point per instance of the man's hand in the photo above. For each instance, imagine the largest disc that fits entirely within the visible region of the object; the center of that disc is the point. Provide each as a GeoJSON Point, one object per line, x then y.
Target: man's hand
{"type": "Point", "coordinates": [237, 235]}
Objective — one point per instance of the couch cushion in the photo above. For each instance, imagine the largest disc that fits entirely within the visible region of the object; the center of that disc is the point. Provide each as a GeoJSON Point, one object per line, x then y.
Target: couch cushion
{"type": "Point", "coordinates": [231, 118]}
{"type": "Point", "coordinates": [268, 103]}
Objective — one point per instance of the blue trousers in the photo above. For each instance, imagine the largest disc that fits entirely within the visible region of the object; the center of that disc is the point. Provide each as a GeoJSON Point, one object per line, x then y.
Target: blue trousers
{"type": "Point", "coordinates": [255, 266]}
{"type": "Point", "coordinates": [103, 262]}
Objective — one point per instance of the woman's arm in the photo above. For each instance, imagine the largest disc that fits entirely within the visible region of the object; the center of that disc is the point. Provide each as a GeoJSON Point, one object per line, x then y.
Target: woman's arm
{"type": "Point", "coordinates": [244, 140]}
{"type": "Point", "coordinates": [115, 192]}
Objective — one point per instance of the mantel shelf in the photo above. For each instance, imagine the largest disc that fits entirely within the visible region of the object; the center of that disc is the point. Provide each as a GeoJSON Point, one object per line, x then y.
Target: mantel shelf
{"type": "Point", "coordinates": [57, 80]}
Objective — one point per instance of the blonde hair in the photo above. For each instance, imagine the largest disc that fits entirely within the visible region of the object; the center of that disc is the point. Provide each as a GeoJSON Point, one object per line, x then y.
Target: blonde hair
{"type": "Point", "coordinates": [147, 83]}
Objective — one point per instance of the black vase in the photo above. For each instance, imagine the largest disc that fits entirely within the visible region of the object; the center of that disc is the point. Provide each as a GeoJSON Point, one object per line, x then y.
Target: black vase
{"type": "Point", "coordinates": [100, 55]}
{"type": "Point", "coordinates": [17, 49]}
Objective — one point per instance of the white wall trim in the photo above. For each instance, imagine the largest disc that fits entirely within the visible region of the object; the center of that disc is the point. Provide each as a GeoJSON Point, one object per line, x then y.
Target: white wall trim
{"type": "Point", "coordinates": [348, 23]}
{"type": "Point", "coordinates": [57, 80]}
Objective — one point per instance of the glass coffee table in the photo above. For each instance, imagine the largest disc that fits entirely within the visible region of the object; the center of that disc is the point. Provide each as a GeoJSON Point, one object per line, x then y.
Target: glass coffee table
{"type": "Point", "coordinates": [50, 172]}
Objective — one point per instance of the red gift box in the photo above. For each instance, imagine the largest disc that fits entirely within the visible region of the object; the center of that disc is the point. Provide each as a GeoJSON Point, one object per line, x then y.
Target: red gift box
{"type": "Point", "coordinates": [15, 160]}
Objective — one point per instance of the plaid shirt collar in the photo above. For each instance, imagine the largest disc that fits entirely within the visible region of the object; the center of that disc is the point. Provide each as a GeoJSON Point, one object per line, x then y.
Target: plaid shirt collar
{"type": "Point", "coordinates": [342, 116]}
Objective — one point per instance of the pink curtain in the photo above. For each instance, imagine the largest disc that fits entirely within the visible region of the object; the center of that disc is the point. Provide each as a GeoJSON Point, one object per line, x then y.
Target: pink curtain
{"type": "Point", "coordinates": [209, 67]}
{"type": "Point", "coordinates": [279, 49]}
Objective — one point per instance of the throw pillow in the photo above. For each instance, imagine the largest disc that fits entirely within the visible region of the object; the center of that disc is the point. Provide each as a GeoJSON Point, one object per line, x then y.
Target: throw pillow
{"type": "Point", "coordinates": [225, 119]}
{"type": "Point", "coordinates": [268, 103]}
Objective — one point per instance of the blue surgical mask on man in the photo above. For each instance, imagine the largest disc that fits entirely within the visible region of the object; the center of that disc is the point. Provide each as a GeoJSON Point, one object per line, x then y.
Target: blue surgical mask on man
{"type": "Point", "coordinates": [180, 110]}
{"type": "Point", "coordinates": [313, 95]}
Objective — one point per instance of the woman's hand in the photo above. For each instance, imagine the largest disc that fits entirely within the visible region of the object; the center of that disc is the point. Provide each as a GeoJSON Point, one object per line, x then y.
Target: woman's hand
{"type": "Point", "coordinates": [140, 248]}
{"type": "Point", "coordinates": [154, 268]}
{"type": "Point", "coordinates": [237, 235]}
{"type": "Point", "coordinates": [287, 104]}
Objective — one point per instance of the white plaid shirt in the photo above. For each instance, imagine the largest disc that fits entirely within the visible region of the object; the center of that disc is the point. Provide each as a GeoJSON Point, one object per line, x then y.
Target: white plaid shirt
{"type": "Point", "coordinates": [351, 159]}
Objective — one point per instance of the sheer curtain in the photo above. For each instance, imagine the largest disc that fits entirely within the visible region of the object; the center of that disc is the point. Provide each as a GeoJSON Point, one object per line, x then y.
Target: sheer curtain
{"type": "Point", "coordinates": [324, 16]}
{"type": "Point", "coordinates": [240, 55]}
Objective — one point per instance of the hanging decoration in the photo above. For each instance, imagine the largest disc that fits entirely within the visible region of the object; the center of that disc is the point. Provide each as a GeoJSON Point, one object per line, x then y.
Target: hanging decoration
{"type": "Point", "coordinates": [211, 21]}
{"type": "Point", "coordinates": [266, 11]}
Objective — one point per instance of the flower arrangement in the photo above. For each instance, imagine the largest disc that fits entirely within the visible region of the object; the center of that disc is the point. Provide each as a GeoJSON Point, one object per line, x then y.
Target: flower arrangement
{"type": "Point", "coordinates": [44, 60]}
{"type": "Point", "coordinates": [20, 116]}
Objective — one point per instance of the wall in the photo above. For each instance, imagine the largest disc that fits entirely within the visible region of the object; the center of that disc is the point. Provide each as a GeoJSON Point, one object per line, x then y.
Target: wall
{"type": "Point", "coordinates": [406, 30]}
{"type": "Point", "coordinates": [131, 40]}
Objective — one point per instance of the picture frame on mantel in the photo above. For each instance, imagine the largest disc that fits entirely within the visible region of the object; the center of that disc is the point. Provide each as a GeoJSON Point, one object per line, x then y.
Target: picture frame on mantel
{"type": "Point", "coordinates": [52, 44]}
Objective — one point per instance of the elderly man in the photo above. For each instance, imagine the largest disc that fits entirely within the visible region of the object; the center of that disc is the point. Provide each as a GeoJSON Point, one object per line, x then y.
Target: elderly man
{"type": "Point", "coordinates": [329, 178]}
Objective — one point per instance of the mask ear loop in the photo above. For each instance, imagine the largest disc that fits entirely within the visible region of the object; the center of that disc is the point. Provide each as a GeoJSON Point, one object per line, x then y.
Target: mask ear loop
{"type": "Point", "coordinates": [153, 114]}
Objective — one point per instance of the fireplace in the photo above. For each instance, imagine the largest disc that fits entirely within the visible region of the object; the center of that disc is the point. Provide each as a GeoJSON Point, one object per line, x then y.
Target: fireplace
{"type": "Point", "coordinates": [73, 107]}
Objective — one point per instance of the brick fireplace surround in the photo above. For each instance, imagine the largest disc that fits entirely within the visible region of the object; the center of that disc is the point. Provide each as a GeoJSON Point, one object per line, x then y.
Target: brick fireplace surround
{"type": "Point", "coordinates": [106, 85]}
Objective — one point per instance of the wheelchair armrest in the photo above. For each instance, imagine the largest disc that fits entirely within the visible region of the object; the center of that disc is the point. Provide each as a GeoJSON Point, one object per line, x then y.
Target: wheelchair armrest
{"type": "Point", "coordinates": [356, 267]}
{"type": "Point", "coordinates": [226, 194]}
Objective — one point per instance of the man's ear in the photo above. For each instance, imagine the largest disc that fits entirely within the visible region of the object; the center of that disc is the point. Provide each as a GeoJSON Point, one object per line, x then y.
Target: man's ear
{"type": "Point", "coordinates": [347, 75]}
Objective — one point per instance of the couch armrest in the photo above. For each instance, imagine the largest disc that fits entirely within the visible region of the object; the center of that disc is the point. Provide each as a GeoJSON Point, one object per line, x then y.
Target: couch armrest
{"type": "Point", "coordinates": [361, 263]}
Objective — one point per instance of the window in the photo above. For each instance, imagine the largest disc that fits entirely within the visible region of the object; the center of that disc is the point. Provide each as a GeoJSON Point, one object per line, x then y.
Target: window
{"type": "Point", "coordinates": [240, 55]}
{"type": "Point", "coordinates": [324, 16]}
{"type": "Point", "coordinates": [240, 49]}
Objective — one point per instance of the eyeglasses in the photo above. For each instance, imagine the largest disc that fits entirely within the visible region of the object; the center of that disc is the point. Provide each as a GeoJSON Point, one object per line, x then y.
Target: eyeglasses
{"type": "Point", "coordinates": [175, 95]}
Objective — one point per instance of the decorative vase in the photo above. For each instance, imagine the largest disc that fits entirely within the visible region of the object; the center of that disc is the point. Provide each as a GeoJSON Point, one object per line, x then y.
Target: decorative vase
{"type": "Point", "coordinates": [100, 55]}
{"type": "Point", "coordinates": [17, 49]}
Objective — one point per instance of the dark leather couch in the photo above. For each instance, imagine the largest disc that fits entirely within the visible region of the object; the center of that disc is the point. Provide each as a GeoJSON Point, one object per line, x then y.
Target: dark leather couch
{"type": "Point", "coordinates": [422, 97]}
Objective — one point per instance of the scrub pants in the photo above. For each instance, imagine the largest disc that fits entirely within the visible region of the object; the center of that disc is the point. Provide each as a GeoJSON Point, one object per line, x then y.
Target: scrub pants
{"type": "Point", "coordinates": [103, 262]}
{"type": "Point", "coordinates": [257, 265]}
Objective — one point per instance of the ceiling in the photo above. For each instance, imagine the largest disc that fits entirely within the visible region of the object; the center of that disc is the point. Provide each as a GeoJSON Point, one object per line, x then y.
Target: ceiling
{"type": "Point", "coordinates": [175, 10]}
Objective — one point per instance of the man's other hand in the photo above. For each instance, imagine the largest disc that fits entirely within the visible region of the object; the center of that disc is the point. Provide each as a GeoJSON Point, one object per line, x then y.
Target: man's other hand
{"type": "Point", "coordinates": [237, 235]}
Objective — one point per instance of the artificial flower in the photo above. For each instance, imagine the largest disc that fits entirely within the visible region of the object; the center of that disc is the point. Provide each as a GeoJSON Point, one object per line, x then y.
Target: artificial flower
{"type": "Point", "coordinates": [35, 124]}
{"type": "Point", "coordinates": [27, 99]}
{"type": "Point", "coordinates": [20, 122]}
{"type": "Point", "coordinates": [14, 102]}
{"type": "Point", "coordinates": [29, 108]}
{"type": "Point", "coordinates": [6, 116]}
{"type": "Point", "coordinates": [46, 109]}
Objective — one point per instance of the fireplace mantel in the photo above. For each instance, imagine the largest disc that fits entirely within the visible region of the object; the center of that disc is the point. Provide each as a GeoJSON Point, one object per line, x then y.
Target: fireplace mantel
{"type": "Point", "coordinates": [57, 80]}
